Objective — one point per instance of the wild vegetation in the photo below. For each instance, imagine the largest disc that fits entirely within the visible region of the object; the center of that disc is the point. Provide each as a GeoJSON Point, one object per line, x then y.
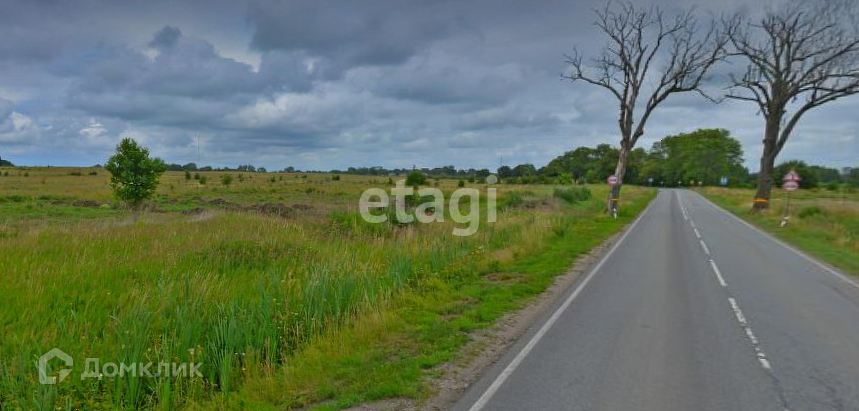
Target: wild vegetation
{"type": "Point", "coordinates": [273, 282]}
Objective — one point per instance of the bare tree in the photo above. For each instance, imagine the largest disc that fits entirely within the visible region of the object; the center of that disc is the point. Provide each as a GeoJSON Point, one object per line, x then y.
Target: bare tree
{"type": "Point", "coordinates": [799, 57]}
{"type": "Point", "coordinates": [647, 57]}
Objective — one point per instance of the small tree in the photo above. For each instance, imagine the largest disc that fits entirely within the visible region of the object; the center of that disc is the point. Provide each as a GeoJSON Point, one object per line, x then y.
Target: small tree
{"type": "Point", "coordinates": [416, 178]}
{"type": "Point", "coordinates": [134, 175]}
{"type": "Point", "coordinates": [226, 179]}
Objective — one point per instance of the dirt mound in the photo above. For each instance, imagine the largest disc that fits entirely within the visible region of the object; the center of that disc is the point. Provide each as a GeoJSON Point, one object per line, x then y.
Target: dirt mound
{"type": "Point", "coordinates": [276, 209]}
{"type": "Point", "coordinates": [86, 203]}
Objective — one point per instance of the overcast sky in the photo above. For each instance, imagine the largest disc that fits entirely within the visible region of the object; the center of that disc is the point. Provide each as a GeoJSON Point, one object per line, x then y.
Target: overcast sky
{"type": "Point", "coordinates": [331, 84]}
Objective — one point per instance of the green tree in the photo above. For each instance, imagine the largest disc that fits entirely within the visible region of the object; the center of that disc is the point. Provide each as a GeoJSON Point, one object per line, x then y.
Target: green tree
{"type": "Point", "coordinates": [416, 178]}
{"type": "Point", "coordinates": [226, 179]}
{"type": "Point", "coordinates": [704, 155]}
{"type": "Point", "coordinates": [134, 175]}
{"type": "Point", "coordinates": [808, 178]}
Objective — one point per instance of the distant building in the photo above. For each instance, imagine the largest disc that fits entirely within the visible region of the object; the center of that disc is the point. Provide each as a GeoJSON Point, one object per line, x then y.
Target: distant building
{"type": "Point", "coordinates": [846, 171]}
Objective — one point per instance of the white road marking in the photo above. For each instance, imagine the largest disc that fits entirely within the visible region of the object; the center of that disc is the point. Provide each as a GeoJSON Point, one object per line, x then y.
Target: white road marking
{"type": "Point", "coordinates": [718, 274]}
{"type": "Point", "coordinates": [682, 207]}
{"type": "Point", "coordinates": [692, 223]}
{"type": "Point", "coordinates": [808, 258]}
{"type": "Point", "coordinates": [737, 312]}
{"type": "Point", "coordinates": [756, 344]}
{"type": "Point", "coordinates": [493, 388]}
{"type": "Point", "coordinates": [697, 234]}
{"type": "Point", "coordinates": [704, 246]}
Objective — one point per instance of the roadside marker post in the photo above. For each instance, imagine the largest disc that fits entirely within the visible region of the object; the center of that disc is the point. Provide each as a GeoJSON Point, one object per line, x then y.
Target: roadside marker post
{"type": "Point", "coordinates": [612, 181]}
{"type": "Point", "coordinates": [791, 183]}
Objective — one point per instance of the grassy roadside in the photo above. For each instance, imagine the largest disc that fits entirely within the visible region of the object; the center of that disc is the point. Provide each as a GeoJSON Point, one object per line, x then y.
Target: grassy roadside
{"type": "Point", "coordinates": [287, 298]}
{"type": "Point", "coordinates": [390, 352]}
{"type": "Point", "coordinates": [823, 223]}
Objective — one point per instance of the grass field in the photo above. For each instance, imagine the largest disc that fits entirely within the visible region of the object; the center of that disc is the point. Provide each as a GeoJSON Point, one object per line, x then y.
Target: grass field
{"type": "Point", "coordinates": [274, 283]}
{"type": "Point", "coordinates": [825, 223]}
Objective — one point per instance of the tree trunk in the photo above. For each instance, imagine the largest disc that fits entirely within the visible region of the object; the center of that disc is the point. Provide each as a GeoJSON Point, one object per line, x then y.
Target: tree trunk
{"type": "Point", "coordinates": [765, 175]}
{"type": "Point", "coordinates": [619, 171]}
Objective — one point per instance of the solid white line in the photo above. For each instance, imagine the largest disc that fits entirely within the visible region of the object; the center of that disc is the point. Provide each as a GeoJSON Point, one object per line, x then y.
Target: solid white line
{"type": "Point", "coordinates": [718, 274]}
{"type": "Point", "coordinates": [487, 395]}
{"type": "Point", "coordinates": [802, 254]}
{"type": "Point", "coordinates": [697, 234]}
{"type": "Point", "coordinates": [704, 246]}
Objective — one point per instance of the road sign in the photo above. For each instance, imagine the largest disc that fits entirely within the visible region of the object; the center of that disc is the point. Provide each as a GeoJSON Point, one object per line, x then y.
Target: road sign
{"type": "Point", "coordinates": [612, 180]}
{"type": "Point", "coordinates": [792, 175]}
{"type": "Point", "coordinates": [790, 185]}
{"type": "Point", "coordinates": [723, 181]}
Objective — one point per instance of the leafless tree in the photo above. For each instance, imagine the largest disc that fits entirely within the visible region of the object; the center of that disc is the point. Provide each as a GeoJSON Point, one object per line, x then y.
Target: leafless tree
{"type": "Point", "coordinates": [648, 56]}
{"type": "Point", "coordinates": [799, 57]}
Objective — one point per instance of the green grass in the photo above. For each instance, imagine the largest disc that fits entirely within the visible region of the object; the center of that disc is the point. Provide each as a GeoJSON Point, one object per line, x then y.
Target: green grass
{"type": "Point", "coordinates": [313, 309]}
{"type": "Point", "coordinates": [823, 223]}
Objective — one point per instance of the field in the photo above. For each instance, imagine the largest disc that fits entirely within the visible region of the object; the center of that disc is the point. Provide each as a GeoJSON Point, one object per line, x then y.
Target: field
{"type": "Point", "coordinates": [823, 222]}
{"type": "Point", "coordinates": [273, 282]}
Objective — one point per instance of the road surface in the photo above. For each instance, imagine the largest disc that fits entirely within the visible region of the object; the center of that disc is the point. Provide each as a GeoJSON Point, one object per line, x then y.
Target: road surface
{"type": "Point", "coordinates": [693, 310]}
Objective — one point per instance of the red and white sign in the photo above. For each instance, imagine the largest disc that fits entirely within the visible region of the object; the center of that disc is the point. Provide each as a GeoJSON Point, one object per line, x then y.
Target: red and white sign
{"type": "Point", "coordinates": [792, 175]}
{"type": "Point", "coordinates": [790, 185]}
{"type": "Point", "coordinates": [612, 180]}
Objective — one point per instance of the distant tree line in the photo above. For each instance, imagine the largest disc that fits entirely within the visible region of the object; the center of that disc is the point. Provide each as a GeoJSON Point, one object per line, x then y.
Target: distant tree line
{"type": "Point", "coordinates": [437, 172]}
{"type": "Point", "coordinates": [5, 163]}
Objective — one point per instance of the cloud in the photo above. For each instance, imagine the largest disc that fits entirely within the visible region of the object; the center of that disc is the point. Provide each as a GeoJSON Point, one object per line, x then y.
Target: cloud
{"type": "Point", "coordinates": [335, 84]}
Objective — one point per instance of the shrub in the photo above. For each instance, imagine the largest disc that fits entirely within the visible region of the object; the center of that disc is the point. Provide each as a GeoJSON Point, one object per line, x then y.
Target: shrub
{"type": "Point", "coordinates": [573, 194]}
{"type": "Point", "coordinates": [226, 179]}
{"type": "Point", "coordinates": [134, 175]}
{"type": "Point", "coordinates": [416, 178]}
{"type": "Point", "coordinates": [187, 175]}
{"type": "Point", "coordinates": [203, 180]}
{"type": "Point", "coordinates": [811, 211]}
{"type": "Point", "coordinates": [335, 177]}
{"type": "Point", "coordinates": [461, 183]}
{"type": "Point", "coordinates": [513, 199]}
{"type": "Point", "coordinates": [93, 173]}
{"type": "Point", "coordinates": [196, 176]}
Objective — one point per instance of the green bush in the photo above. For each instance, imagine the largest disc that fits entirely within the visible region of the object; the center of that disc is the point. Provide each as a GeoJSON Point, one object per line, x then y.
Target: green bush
{"type": "Point", "coordinates": [416, 178]}
{"type": "Point", "coordinates": [512, 199]}
{"type": "Point", "coordinates": [335, 177]}
{"type": "Point", "coordinates": [461, 183]}
{"type": "Point", "coordinates": [811, 211]}
{"type": "Point", "coordinates": [573, 194]}
{"type": "Point", "coordinates": [226, 179]}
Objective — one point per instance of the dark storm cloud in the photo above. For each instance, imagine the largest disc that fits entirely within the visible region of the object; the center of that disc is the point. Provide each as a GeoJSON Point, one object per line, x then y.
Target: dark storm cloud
{"type": "Point", "coordinates": [351, 33]}
{"type": "Point", "coordinates": [334, 84]}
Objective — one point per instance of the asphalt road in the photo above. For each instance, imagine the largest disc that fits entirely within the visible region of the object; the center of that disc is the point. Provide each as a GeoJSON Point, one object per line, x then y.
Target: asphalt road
{"type": "Point", "coordinates": [692, 310]}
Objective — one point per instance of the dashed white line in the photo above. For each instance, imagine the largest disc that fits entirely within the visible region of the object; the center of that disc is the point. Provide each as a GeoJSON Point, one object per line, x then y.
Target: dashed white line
{"type": "Point", "coordinates": [737, 312]}
{"type": "Point", "coordinates": [682, 207]}
{"type": "Point", "coordinates": [704, 246]}
{"type": "Point", "coordinates": [718, 274]}
{"type": "Point", "coordinates": [759, 352]}
{"type": "Point", "coordinates": [697, 234]}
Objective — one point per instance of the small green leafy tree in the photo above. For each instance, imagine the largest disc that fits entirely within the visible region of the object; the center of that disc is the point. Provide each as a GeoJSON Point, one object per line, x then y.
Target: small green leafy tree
{"type": "Point", "coordinates": [416, 178]}
{"type": "Point", "coordinates": [226, 179]}
{"type": "Point", "coordinates": [134, 175]}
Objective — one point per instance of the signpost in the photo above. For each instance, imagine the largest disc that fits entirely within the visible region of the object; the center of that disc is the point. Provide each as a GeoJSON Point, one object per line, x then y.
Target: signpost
{"type": "Point", "coordinates": [791, 183]}
{"type": "Point", "coordinates": [612, 181]}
